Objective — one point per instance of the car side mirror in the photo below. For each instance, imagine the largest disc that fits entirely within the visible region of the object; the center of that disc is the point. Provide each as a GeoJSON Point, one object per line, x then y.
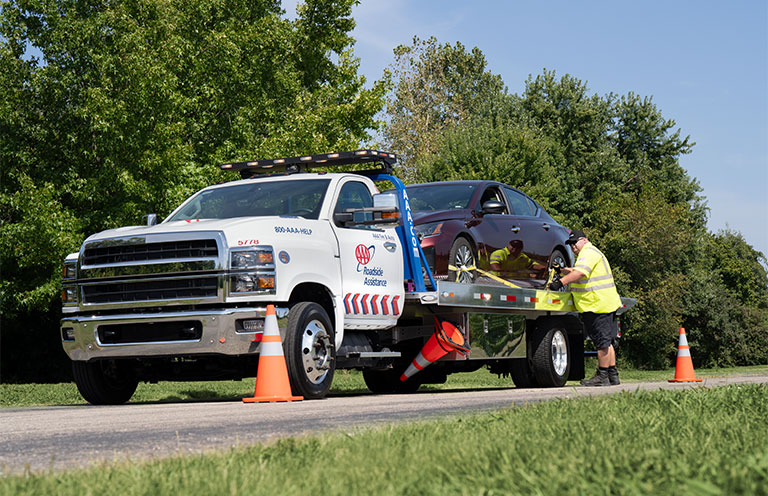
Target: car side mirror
{"type": "Point", "coordinates": [493, 207]}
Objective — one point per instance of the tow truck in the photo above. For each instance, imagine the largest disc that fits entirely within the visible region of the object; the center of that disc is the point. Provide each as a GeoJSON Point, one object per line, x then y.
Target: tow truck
{"type": "Point", "coordinates": [186, 299]}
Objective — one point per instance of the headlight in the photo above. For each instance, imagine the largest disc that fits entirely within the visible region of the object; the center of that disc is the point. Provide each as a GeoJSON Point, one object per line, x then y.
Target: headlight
{"type": "Point", "coordinates": [427, 230]}
{"type": "Point", "coordinates": [69, 295]}
{"type": "Point", "coordinates": [69, 270]}
{"type": "Point", "coordinates": [252, 271]}
{"type": "Point", "coordinates": [251, 283]}
{"type": "Point", "coordinates": [249, 259]}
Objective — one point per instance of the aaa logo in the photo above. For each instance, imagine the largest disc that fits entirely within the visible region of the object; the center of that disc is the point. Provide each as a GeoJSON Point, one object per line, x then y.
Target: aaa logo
{"type": "Point", "coordinates": [364, 254]}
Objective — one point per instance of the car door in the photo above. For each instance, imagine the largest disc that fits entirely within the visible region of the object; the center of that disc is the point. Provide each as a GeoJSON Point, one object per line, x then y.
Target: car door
{"type": "Point", "coordinates": [536, 234]}
{"type": "Point", "coordinates": [491, 231]}
{"type": "Point", "coordinates": [371, 264]}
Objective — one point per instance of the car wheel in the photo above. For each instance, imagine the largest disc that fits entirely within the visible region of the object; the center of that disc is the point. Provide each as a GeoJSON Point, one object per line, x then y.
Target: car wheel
{"type": "Point", "coordinates": [310, 353]}
{"type": "Point", "coordinates": [558, 257]}
{"type": "Point", "coordinates": [462, 259]}
{"type": "Point", "coordinates": [104, 382]}
{"type": "Point", "coordinates": [551, 362]}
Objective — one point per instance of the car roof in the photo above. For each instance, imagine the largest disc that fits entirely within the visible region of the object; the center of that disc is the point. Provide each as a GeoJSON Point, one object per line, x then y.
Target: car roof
{"type": "Point", "coordinates": [476, 182]}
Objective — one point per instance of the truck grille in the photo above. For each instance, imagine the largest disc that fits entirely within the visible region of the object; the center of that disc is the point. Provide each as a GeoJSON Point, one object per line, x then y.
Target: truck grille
{"type": "Point", "coordinates": [171, 289]}
{"type": "Point", "coordinates": [198, 248]}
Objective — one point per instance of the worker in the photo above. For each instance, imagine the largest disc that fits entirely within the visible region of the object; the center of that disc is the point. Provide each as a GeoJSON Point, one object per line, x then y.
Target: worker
{"type": "Point", "coordinates": [510, 261]}
{"type": "Point", "coordinates": [596, 299]}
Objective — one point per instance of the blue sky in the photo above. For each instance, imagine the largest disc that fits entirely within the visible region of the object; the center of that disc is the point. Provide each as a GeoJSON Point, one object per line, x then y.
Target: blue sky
{"type": "Point", "coordinates": [705, 64]}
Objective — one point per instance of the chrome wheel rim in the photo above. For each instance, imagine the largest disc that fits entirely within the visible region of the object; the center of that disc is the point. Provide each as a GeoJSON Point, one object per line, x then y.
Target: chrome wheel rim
{"type": "Point", "coordinates": [463, 260]}
{"type": "Point", "coordinates": [316, 351]}
{"type": "Point", "coordinates": [559, 353]}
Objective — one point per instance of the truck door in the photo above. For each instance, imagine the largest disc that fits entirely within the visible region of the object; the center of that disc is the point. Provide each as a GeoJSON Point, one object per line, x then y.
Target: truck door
{"type": "Point", "coordinates": [371, 264]}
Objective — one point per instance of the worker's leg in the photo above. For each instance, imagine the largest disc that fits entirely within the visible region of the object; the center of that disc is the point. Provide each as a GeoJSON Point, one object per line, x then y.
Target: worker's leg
{"type": "Point", "coordinates": [606, 357]}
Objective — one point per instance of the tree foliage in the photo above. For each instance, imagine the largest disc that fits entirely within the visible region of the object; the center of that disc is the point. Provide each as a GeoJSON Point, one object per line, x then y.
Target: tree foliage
{"type": "Point", "coordinates": [133, 104]}
{"type": "Point", "coordinates": [435, 87]}
{"type": "Point", "coordinates": [608, 165]}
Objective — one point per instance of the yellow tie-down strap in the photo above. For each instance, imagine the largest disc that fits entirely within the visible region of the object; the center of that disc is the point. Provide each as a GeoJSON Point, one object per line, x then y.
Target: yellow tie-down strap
{"type": "Point", "coordinates": [537, 299]}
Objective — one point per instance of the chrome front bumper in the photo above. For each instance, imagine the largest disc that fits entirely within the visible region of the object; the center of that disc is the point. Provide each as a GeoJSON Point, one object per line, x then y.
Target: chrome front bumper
{"type": "Point", "coordinates": [219, 334]}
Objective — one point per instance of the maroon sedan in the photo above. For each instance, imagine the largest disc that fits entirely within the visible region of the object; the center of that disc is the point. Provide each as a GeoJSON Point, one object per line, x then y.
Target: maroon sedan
{"type": "Point", "coordinates": [488, 226]}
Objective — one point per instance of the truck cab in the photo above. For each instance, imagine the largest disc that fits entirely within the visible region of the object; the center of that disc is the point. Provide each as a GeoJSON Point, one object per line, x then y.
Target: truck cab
{"type": "Point", "coordinates": [189, 294]}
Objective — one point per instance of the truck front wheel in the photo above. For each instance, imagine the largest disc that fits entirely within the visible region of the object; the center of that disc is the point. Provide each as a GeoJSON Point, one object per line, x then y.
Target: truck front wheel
{"type": "Point", "coordinates": [310, 353]}
{"type": "Point", "coordinates": [104, 382]}
{"type": "Point", "coordinates": [551, 362]}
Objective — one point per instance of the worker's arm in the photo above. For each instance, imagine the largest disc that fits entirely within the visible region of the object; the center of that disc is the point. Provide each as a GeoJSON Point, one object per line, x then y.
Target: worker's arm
{"type": "Point", "coordinates": [573, 275]}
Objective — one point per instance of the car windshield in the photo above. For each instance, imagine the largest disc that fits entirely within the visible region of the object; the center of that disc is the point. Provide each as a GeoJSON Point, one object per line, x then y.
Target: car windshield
{"type": "Point", "coordinates": [257, 199]}
{"type": "Point", "coordinates": [442, 197]}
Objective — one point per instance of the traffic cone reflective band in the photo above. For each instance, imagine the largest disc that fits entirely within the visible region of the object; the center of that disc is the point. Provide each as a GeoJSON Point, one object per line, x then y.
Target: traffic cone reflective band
{"type": "Point", "coordinates": [272, 382]}
{"type": "Point", "coordinates": [447, 338]}
{"type": "Point", "coordinates": [684, 366]}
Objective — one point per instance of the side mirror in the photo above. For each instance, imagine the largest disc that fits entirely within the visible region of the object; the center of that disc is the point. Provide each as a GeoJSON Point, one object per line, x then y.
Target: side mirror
{"type": "Point", "coordinates": [493, 207]}
{"type": "Point", "coordinates": [149, 219]}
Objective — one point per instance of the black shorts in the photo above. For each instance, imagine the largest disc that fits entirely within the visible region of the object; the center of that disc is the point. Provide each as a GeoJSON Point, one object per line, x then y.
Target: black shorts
{"type": "Point", "coordinates": [599, 327]}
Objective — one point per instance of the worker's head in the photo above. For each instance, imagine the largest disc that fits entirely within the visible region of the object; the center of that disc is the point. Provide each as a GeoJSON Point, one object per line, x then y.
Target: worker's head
{"type": "Point", "coordinates": [577, 239]}
{"type": "Point", "coordinates": [515, 247]}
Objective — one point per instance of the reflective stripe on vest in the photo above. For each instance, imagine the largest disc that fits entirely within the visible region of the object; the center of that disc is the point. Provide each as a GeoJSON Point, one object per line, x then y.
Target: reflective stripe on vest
{"type": "Point", "coordinates": [597, 291]}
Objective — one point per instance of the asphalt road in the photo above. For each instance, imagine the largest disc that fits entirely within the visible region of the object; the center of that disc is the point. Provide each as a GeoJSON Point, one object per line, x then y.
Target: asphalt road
{"type": "Point", "coordinates": [62, 438]}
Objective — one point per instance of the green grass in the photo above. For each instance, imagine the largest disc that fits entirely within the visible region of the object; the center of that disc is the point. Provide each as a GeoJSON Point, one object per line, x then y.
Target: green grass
{"type": "Point", "coordinates": [698, 441]}
{"type": "Point", "coordinates": [345, 382]}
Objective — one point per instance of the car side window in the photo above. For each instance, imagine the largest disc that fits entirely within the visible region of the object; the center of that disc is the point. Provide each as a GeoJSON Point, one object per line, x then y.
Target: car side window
{"type": "Point", "coordinates": [353, 194]}
{"type": "Point", "coordinates": [492, 194]}
{"type": "Point", "coordinates": [520, 204]}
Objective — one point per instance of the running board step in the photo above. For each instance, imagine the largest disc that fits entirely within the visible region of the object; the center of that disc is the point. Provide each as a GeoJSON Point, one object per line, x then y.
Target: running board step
{"type": "Point", "coordinates": [373, 354]}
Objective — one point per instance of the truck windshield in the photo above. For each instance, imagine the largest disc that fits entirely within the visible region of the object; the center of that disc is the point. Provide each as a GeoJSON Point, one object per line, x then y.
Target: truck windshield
{"type": "Point", "coordinates": [301, 198]}
{"type": "Point", "coordinates": [440, 197]}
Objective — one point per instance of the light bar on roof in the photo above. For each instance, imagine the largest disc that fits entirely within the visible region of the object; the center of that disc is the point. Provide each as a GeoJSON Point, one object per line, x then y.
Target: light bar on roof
{"type": "Point", "coordinates": [306, 162]}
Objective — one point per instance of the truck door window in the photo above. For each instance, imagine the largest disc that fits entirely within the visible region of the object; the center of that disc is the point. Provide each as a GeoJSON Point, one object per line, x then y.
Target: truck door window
{"type": "Point", "coordinates": [353, 195]}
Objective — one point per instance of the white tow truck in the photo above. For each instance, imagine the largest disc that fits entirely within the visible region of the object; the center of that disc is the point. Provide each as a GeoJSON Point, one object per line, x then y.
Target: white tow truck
{"type": "Point", "coordinates": [185, 299]}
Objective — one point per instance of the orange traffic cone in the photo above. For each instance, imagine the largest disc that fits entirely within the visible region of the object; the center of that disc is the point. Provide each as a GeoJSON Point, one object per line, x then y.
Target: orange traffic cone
{"type": "Point", "coordinates": [684, 366]}
{"type": "Point", "coordinates": [446, 338]}
{"type": "Point", "coordinates": [272, 376]}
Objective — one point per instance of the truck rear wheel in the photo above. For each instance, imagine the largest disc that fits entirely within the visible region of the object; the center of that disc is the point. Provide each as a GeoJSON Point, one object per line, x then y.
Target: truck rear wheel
{"type": "Point", "coordinates": [104, 382]}
{"type": "Point", "coordinates": [551, 361]}
{"type": "Point", "coordinates": [388, 381]}
{"type": "Point", "coordinates": [310, 352]}
{"type": "Point", "coordinates": [522, 375]}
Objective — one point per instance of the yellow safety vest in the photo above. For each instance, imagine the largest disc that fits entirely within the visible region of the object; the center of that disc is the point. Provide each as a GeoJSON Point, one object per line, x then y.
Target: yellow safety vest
{"type": "Point", "coordinates": [596, 291]}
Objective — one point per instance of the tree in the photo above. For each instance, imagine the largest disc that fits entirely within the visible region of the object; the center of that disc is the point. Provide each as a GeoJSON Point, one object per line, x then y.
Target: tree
{"type": "Point", "coordinates": [133, 104]}
{"type": "Point", "coordinates": [435, 87]}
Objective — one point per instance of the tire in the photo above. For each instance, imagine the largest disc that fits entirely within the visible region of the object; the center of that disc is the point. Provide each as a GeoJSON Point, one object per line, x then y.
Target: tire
{"type": "Point", "coordinates": [462, 254]}
{"type": "Point", "coordinates": [559, 257]}
{"type": "Point", "coordinates": [522, 375]}
{"type": "Point", "coordinates": [104, 382]}
{"type": "Point", "coordinates": [310, 352]}
{"type": "Point", "coordinates": [388, 381]}
{"type": "Point", "coordinates": [551, 361]}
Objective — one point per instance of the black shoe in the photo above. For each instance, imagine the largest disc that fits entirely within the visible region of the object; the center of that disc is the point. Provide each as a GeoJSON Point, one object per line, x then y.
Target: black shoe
{"type": "Point", "coordinates": [613, 376]}
{"type": "Point", "coordinates": [599, 379]}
